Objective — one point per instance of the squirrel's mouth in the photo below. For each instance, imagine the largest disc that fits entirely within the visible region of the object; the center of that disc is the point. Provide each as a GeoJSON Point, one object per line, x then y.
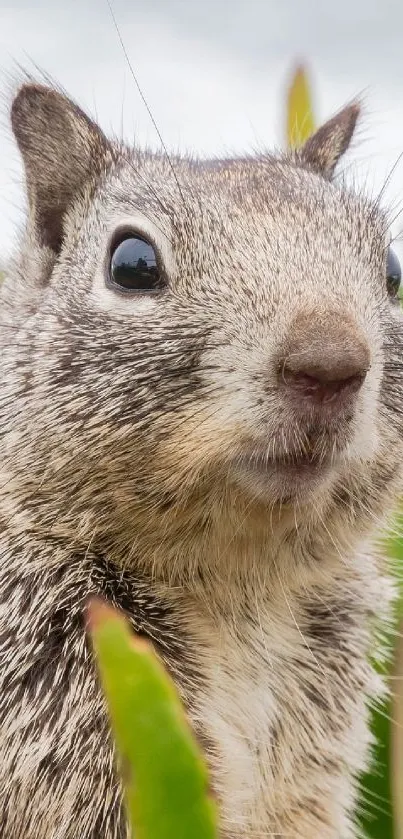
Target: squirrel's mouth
{"type": "Point", "coordinates": [291, 463]}
{"type": "Point", "coordinates": [281, 477]}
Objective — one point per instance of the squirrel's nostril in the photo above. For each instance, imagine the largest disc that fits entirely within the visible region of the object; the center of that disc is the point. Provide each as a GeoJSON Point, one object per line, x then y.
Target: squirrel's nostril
{"type": "Point", "coordinates": [327, 358]}
{"type": "Point", "coordinates": [321, 390]}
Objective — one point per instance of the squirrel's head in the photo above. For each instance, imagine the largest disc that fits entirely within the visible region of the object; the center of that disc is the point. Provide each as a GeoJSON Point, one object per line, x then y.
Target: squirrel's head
{"type": "Point", "coordinates": [197, 336]}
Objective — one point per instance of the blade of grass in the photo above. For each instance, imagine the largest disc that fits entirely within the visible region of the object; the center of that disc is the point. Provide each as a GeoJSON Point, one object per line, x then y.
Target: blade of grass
{"type": "Point", "coordinates": [395, 546]}
{"type": "Point", "coordinates": [164, 776]}
{"type": "Point", "coordinates": [397, 738]}
{"type": "Point", "coordinates": [385, 781]}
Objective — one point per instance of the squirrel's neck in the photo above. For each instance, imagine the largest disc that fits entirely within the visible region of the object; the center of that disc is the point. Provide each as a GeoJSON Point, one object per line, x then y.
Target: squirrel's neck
{"type": "Point", "coordinates": [207, 544]}
{"type": "Point", "coordinates": [238, 550]}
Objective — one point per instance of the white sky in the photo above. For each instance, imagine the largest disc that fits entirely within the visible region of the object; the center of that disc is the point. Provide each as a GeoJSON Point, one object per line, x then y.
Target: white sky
{"type": "Point", "coordinates": [213, 72]}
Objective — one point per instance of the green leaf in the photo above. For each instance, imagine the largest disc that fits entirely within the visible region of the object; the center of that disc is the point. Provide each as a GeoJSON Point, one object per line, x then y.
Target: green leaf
{"type": "Point", "coordinates": [300, 118]}
{"type": "Point", "coordinates": [164, 776]}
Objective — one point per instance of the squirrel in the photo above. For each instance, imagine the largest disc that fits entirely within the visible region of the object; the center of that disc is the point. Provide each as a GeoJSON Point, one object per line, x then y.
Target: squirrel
{"type": "Point", "coordinates": [201, 422]}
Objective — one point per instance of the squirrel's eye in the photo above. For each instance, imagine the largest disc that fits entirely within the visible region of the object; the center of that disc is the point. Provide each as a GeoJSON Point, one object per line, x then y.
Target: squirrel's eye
{"type": "Point", "coordinates": [133, 266]}
{"type": "Point", "coordinates": [393, 273]}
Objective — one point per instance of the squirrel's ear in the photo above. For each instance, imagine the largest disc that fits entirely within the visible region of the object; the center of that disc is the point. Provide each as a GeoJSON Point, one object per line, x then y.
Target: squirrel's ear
{"type": "Point", "coordinates": [323, 150]}
{"type": "Point", "coordinates": [62, 150]}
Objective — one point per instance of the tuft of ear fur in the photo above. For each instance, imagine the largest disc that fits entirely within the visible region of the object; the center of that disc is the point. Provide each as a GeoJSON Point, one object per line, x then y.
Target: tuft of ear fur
{"type": "Point", "coordinates": [323, 150]}
{"type": "Point", "coordinates": [62, 150]}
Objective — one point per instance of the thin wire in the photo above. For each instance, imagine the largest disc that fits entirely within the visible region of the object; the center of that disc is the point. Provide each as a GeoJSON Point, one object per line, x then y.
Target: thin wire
{"type": "Point", "coordinates": [129, 64]}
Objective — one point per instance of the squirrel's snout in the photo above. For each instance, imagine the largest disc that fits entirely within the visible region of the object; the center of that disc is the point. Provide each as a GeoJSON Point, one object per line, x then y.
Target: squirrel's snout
{"type": "Point", "coordinates": [326, 361]}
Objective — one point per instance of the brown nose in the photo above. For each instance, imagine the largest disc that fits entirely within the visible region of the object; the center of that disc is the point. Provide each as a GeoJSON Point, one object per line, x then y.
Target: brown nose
{"type": "Point", "coordinates": [327, 358]}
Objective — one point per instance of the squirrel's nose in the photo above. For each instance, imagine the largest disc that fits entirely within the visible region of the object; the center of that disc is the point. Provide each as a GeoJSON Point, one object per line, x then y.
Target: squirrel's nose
{"type": "Point", "coordinates": [326, 360]}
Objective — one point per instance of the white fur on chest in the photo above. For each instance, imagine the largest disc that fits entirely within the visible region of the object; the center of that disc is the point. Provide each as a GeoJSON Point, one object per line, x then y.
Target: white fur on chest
{"type": "Point", "coordinates": [239, 711]}
{"type": "Point", "coordinates": [284, 710]}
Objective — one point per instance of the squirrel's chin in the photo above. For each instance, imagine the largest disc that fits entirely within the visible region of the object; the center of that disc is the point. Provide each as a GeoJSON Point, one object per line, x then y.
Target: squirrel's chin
{"type": "Point", "coordinates": [282, 482]}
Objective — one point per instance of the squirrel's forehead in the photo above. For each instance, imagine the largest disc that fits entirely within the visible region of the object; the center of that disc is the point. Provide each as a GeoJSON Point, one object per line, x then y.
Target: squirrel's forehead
{"type": "Point", "coordinates": [228, 193]}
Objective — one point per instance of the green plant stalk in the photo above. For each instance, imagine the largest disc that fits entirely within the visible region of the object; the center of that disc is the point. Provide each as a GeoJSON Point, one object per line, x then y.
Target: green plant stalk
{"type": "Point", "coordinates": [164, 776]}
{"type": "Point", "coordinates": [395, 550]}
{"type": "Point", "coordinates": [397, 739]}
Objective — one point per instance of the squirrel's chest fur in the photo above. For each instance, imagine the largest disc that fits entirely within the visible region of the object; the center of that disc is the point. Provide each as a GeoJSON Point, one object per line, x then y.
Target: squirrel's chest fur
{"type": "Point", "coordinates": [282, 702]}
{"type": "Point", "coordinates": [275, 683]}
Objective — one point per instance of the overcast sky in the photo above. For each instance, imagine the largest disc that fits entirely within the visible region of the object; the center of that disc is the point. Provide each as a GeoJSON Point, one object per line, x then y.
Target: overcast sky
{"type": "Point", "coordinates": [213, 72]}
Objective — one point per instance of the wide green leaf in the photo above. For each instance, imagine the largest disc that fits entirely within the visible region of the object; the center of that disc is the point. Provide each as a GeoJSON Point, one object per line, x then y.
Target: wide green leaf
{"type": "Point", "coordinates": [164, 776]}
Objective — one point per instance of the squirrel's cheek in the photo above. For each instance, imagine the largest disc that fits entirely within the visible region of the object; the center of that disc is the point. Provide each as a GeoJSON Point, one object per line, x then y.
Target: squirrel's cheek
{"type": "Point", "coordinates": [199, 444]}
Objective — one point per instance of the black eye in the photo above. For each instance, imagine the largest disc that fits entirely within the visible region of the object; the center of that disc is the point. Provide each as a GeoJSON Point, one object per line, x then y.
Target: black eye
{"type": "Point", "coordinates": [393, 273]}
{"type": "Point", "coordinates": [133, 266]}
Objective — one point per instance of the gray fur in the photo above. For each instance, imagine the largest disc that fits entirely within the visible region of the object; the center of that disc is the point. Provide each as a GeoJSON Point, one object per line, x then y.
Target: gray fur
{"type": "Point", "coordinates": [121, 424]}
